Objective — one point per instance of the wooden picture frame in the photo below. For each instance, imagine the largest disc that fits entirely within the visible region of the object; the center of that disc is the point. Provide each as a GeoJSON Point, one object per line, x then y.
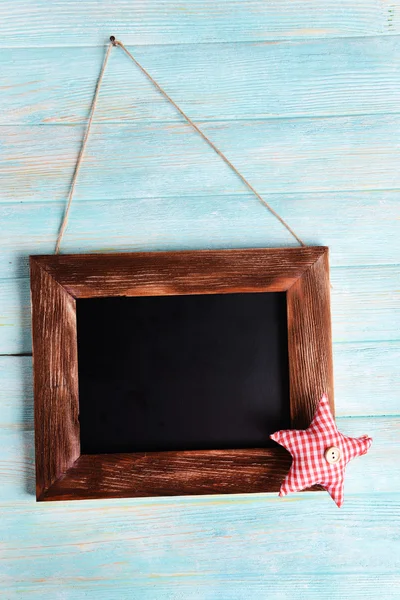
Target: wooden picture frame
{"type": "Point", "coordinates": [62, 473]}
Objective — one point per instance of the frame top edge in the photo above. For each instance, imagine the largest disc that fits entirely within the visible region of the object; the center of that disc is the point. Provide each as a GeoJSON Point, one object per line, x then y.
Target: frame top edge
{"type": "Point", "coordinates": [317, 251]}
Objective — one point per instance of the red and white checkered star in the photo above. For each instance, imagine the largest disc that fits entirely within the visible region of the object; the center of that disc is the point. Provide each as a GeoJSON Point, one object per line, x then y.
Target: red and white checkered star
{"type": "Point", "coordinates": [312, 463]}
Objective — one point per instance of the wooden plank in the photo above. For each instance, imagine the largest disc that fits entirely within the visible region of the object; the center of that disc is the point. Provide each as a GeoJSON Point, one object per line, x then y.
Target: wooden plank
{"type": "Point", "coordinates": [184, 272]}
{"type": "Point", "coordinates": [149, 474]}
{"type": "Point", "coordinates": [17, 465]}
{"type": "Point", "coordinates": [360, 313]}
{"type": "Point", "coordinates": [152, 160]}
{"type": "Point", "coordinates": [55, 355]}
{"type": "Point", "coordinates": [74, 23]}
{"type": "Point", "coordinates": [367, 380]}
{"type": "Point", "coordinates": [250, 579]}
{"type": "Point", "coordinates": [108, 549]}
{"type": "Point", "coordinates": [15, 317]}
{"type": "Point", "coordinates": [376, 472]}
{"type": "Point", "coordinates": [195, 222]}
{"type": "Point", "coordinates": [310, 342]}
{"type": "Point", "coordinates": [16, 392]}
{"type": "Point", "coordinates": [209, 81]}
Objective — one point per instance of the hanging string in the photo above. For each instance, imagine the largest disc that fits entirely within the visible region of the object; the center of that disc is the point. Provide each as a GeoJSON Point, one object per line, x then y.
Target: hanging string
{"type": "Point", "coordinates": [82, 152]}
{"type": "Point", "coordinates": [115, 42]}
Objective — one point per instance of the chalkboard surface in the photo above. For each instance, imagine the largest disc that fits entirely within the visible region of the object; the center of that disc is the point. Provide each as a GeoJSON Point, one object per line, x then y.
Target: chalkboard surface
{"type": "Point", "coordinates": [182, 372]}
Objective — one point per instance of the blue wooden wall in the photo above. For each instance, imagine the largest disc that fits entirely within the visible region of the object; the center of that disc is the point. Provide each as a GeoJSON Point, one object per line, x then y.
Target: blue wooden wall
{"type": "Point", "coordinates": [304, 97]}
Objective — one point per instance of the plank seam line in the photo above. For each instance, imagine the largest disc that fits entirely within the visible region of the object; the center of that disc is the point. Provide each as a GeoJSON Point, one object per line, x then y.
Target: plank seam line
{"type": "Point", "coordinates": [200, 195]}
{"type": "Point", "coordinates": [129, 122]}
{"type": "Point", "coordinates": [266, 41]}
{"type": "Point", "coordinates": [361, 342]}
{"type": "Point", "coordinates": [136, 123]}
{"type": "Point", "coordinates": [28, 354]}
{"type": "Point", "coordinates": [296, 192]}
{"type": "Point", "coordinates": [358, 343]}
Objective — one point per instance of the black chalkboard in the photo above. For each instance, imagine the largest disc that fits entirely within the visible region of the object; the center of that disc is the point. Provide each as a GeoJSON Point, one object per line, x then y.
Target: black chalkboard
{"type": "Point", "coordinates": [182, 372]}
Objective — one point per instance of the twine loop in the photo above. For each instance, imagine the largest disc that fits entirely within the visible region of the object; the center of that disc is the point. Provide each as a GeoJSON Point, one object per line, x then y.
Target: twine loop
{"type": "Point", "coordinates": [114, 43]}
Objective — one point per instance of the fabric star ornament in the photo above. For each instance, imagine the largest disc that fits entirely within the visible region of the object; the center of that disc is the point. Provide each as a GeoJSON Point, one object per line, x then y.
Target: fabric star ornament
{"type": "Point", "coordinates": [320, 454]}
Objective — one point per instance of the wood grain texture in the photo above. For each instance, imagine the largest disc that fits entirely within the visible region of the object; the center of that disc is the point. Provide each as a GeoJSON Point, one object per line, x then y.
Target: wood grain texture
{"type": "Point", "coordinates": [362, 313]}
{"type": "Point", "coordinates": [363, 372]}
{"type": "Point", "coordinates": [367, 378]}
{"type": "Point", "coordinates": [231, 547]}
{"type": "Point", "coordinates": [55, 370]}
{"type": "Point", "coordinates": [222, 584]}
{"type": "Point", "coordinates": [359, 313]}
{"type": "Point", "coordinates": [56, 280]}
{"type": "Point", "coordinates": [184, 272]}
{"type": "Point", "coordinates": [75, 23]}
{"type": "Point", "coordinates": [209, 221]}
{"type": "Point", "coordinates": [209, 81]}
{"type": "Point", "coordinates": [376, 472]}
{"type": "Point", "coordinates": [16, 392]}
{"type": "Point", "coordinates": [138, 549]}
{"type": "Point", "coordinates": [354, 153]}
{"type": "Point", "coordinates": [310, 342]}
{"type": "Point", "coordinates": [172, 474]}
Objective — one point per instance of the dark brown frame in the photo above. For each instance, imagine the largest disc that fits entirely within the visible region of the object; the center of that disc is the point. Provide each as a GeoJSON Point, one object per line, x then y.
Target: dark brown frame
{"type": "Point", "coordinates": [62, 473]}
